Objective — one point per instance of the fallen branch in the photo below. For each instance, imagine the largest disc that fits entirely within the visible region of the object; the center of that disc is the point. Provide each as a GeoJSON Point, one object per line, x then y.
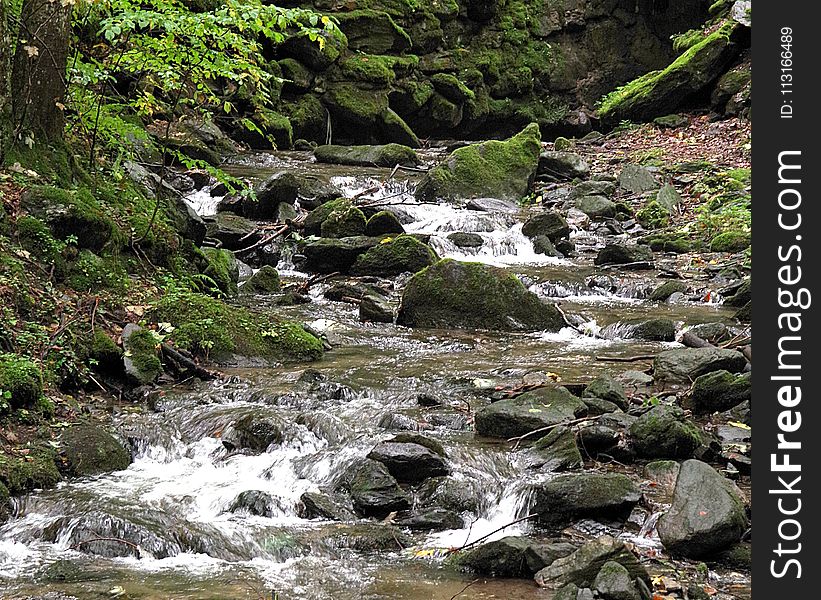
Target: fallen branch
{"type": "Point", "coordinates": [626, 358]}
{"type": "Point", "coordinates": [520, 438]}
{"type": "Point", "coordinates": [303, 289]}
{"type": "Point", "coordinates": [691, 340]}
{"type": "Point", "coordinates": [266, 240]}
{"type": "Point", "coordinates": [484, 537]}
{"type": "Point", "coordinates": [189, 364]}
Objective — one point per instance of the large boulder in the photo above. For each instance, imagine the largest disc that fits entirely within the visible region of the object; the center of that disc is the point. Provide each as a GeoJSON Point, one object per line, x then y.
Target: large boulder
{"type": "Point", "coordinates": [252, 432]}
{"type": "Point", "coordinates": [280, 188]}
{"type": "Point", "coordinates": [596, 207]}
{"type": "Point", "coordinates": [581, 567]}
{"type": "Point", "coordinates": [557, 451]}
{"type": "Point", "coordinates": [707, 514]}
{"type": "Point", "coordinates": [374, 491]}
{"type": "Point", "coordinates": [550, 224]}
{"type": "Point", "coordinates": [686, 364]}
{"type": "Point", "coordinates": [662, 92]}
{"type": "Point", "coordinates": [373, 32]}
{"type": "Point", "coordinates": [388, 155]}
{"type": "Point", "coordinates": [533, 410]}
{"type": "Point", "coordinates": [614, 582]}
{"type": "Point", "coordinates": [21, 379]}
{"type": "Point", "coordinates": [635, 179]}
{"type": "Point", "coordinates": [344, 222]}
{"type": "Point", "coordinates": [90, 449]}
{"type": "Point", "coordinates": [264, 281]}
{"type": "Point", "coordinates": [233, 232]}
{"type": "Point", "coordinates": [403, 254]}
{"type": "Point", "coordinates": [312, 225]}
{"type": "Point", "coordinates": [719, 391]}
{"type": "Point", "coordinates": [384, 223]}
{"type": "Point", "coordinates": [606, 388]}
{"type": "Point", "coordinates": [331, 255]}
{"type": "Point", "coordinates": [569, 497]}
{"type": "Point", "coordinates": [410, 461]}
{"type": "Point", "coordinates": [623, 254]}
{"type": "Point", "coordinates": [317, 505]}
{"type": "Point", "coordinates": [513, 556]}
{"type": "Point", "coordinates": [473, 295]}
{"type": "Point", "coordinates": [652, 330]}
{"type": "Point", "coordinates": [499, 169]}
{"type": "Point", "coordinates": [664, 432]}
{"type": "Point", "coordinates": [562, 165]}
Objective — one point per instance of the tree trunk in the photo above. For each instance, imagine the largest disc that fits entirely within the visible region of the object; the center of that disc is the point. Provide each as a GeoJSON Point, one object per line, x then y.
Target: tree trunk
{"type": "Point", "coordinates": [38, 77]}
{"type": "Point", "coordinates": [5, 80]}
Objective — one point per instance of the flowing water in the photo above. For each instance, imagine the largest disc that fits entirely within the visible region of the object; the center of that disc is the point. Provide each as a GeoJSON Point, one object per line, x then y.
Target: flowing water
{"type": "Point", "coordinates": [177, 496]}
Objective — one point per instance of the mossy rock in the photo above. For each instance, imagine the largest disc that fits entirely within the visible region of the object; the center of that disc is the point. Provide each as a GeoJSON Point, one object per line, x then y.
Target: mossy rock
{"type": "Point", "coordinates": [22, 379]}
{"type": "Point", "coordinates": [298, 78]}
{"type": "Point", "coordinates": [310, 53]}
{"type": "Point", "coordinates": [222, 269]}
{"type": "Point", "coordinates": [107, 354]}
{"type": "Point", "coordinates": [342, 223]}
{"type": "Point", "coordinates": [669, 242]}
{"type": "Point", "coordinates": [315, 219]}
{"type": "Point", "coordinates": [272, 130]}
{"type": "Point", "coordinates": [91, 450]}
{"type": "Point", "coordinates": [264, 281]}
{"type": "Point", "coordinates": [387, 155]}
{"type": "Point", "coordinates": [673, 121]}
{"type": "Point", "coordinates": [473, 295]}
{"type": "Point", "coordinates": [373, 31]}
{"type": "Point", "coordinates": [211, 328]}
{"type": "Point", "coordinates": [665, 432]}
{"type": "Point", "coordinates": [653, 216]}
{"type": "Point", "coordinates": [451, 88]}
{"type": "Point", "coordinates": [309, 119]}
{"type": "Point", "coordinates": [141, 359]}
{"type": "Point", "coordinates": [355, 106]}
{"type": "Point", "coordinates": [332, 255]}
{"type": "Point", "coordinates": [395, 256]}
{"type": "Point", "coordinates": [396, 130]}
{"type": "Point", "coordinates": [662, 92]}
{"type": "Point", "coordinates": [383, 223]}
{"type": "Point", "coordinates": [497, 169]}
{"type": "Point", "coordinates": [667, 289]}
{"type": "Point", "coordinates": [730, 241]}
{"type": "Point", "coordinates": [36, 470]}
{"type": "Point", "coordinates": [70, 214]}
{"type": "Point", "coordinates": [89, 272]}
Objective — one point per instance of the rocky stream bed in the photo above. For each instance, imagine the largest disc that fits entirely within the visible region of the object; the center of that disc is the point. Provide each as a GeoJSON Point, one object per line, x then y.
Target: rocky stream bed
{"type": "Point", "coordinates": [404, 463]}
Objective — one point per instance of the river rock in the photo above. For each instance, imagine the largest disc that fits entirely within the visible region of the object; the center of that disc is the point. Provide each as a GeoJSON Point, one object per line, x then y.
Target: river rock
{"type": "Point", "coordinates": [664, 432]}
{"type": "Point", "coordinates": [607, 388]}
{"type": "Point", "coordinates": [90, 450]}
{"type": "Point", "coordinates": [667, 289]}
{"type": "Point", "coordinates": [141, 358]}
{"type": "Point", "coordinates": [281, 187]}
{"type": "Point", "coordinates": [374, 491]}
{"type": "Point", "coordinates": [344, 222]}
{"type": "Point", "coordinates": [327, 255]}
{"type": "Point", "coordinates": [742, 295]}
{"type": "Point", "coordinates": [636, 179]}
{"type": "Point", "coordinates": [253, 432]}
{"type": "Point", "coordinates": [581, 567]}
{"type": "Point", "coordinates": [527, 412]}
{"type": "Point", "coordinates": [592, 188]}
{"type": "Point", "coordinates": [317, 505]}
{"type": "Point", "coordinates": [562, 165]}
{"type": "Point", "coordinates": [409, 462]}
{"type": "Point", "coordinates": [403, 254]}
{"type": "Point", "coordinates": [569, 497]}
{"type": "Point", "coordinates": [543, 245]}
{"type": "Point", "coordinates": [264, 281]}
{"type": "Point", "coordinates": [388, 155]}
{"type": "Point", "coordinates": [549, 224]}
{"type": "Point", "coordinates": [652, 330]}
{"type": "Point", "coordinates": [719, 391]}
{"type": "Point", "coordinates": [499, 169]}
{"type": "Point", "coordinates": [461, 239]}
{"type": "Point", "coordinates": [613, 582]}
{"type": "Point", "coordinates": [375, 309]}
{"type": "Point", "coordinates": [595, 207]}
{"type": "Point", "coordinates": [435, 519]}
{"type": "Point", "coordinates": [383, 223]}
{"type": "Point", "coordinates": [707, 514]}
{"type": "Point", "coordinates": [568, 592]}
{"type": "Point", "coordinates": [513, 556]}
{"type": "Point", "coordinates": [663, 475]}
{"type": "Point", "coordinates": [255, 502]}
{"type": "Point", "coordinates": [686, 364]}
{"type": "Point", "coordinates": [557, 451]}
{"type": "Point", "coordinates": [621, 254]}
{"type": "Point", "coordinates": [233, 232]}
{"type": "Point", "coordinates": [473, 295]}
{"type": "Point", "coordinates": [451, 494]}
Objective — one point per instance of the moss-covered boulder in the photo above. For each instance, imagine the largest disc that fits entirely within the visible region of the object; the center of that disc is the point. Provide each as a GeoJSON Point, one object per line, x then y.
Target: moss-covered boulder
{"type": "Point", "coordinates": [141, 357]}
{"type": "Point", "coordinates": [663, 291]}
{"type": "Point", "coordinates": [105, 352]}
{"type": "Point", "coordinates": [731, 241]}
{"type": "Point", "coordinates": [77, 214]}
{"type": "Point", "coordinates": [665, 432]}
{"type": "Point", "coordinates": [498, 169]}
{"type": "Point", "coordinates": [512, 556]}
{"type": "Point", "coordinates": [473, 295]}
{"type": "Point", "coordinates": [223, 270]}
{"type": "Point", "coordinates": [451, 88]}
{"type": "Point", "coordinates": [264, 281]}
{"type": "Point", "coordinates": [373, 31]}
{"type": "Point", "coordinates": [394, 256]}
{"type": "Point", "coordinates": [335, 255]}
{"type": "Point", "coordinates": [581, 567]}
{"type": "Point", "coordinates": [685, 364]}
{"type": "Point", "coordinates": [89, 450]}
{"type": "Point", "coordinates": [606, 388]}
{"type": "Point", "coordinates": [374, 491]}
{"type": "Point", "coordinates": [542, 407]}
{"type": "Point", "coordinates": [388, 155]}
{"type": "Point", "coordinates": [564, 499]}
{"type": "Point", "coordinates": [662, 92]}
{"type": "Point", "coordinates": [232, 231]}
{"type": "Point", "coordinates": [344, 222]}
{"type": "Point", "coordinates": [653, 215]}
{"type": "Point", "coordinates": [36, 470]}
{"type": "Point", "coordinates": [557, 451]}
{"type": "Point", "coordinates": [462, 239]}
{"type": "Point", "coordinates": [313, 222]}
{"type": "Point", "coordinates": [280, 188]}
{"type": "Point", "coordinates": [383, 223]}
{"type": "Point", "coordinates": [549, 224]}
{"type": "Point", "coordinates": [298, 78]}
{"type": "Point", "coordinates": [212, 329]}
{"type": "Point", "coordinates": [719, 391]}
{"type": "Point", "coordinates": [22, 379]}
{"type": "Point", "coordinates": [309, 120]}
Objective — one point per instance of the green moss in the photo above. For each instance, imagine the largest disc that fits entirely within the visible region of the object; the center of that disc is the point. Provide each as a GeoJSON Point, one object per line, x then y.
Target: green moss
{"type": "Point", "coordinates": [52, 163]}
{"type": "Point", "coordinates": [395, 256]}
{"type": "Point", "coordinates": [314, 220]}
{"type": "Point", "coordinates": [22, 379]}
{"type": "Point", "coordinates": [308, 118]}
{"type": "Point", "coordinates": [91, 272]}
{"type": "Point", "coordinates": [211, 328]}
{"type": "Point", "coordinates": [276, 126]}
{"type": "Point", "coordinates": [264, 281]}
{"type": "Point", "coordinates": [360, 106]}
{"type": "Point", "coordinates": [730, 241]}
{"type": "Point", "coordinates": [345, 222]}
{"type": "Point", "coordinates": [493, 168]}
{"type": "Point", "coordinates": [451, 88]}
{"type": "Point", "coordinates": [653, 216]}
{"type": "Point", "coordinates": [141, 350]}
{"type": "Point", "coordinates": [669, 242]}
{"type": "Point", "coordinates": [37, 239]}
{"type": "Point", "coordinates": [684, 41]}
{"type": "Point", "coordinates": [107, 354]}
{"type": "Point", "coordinates": [222, 269]}
{"type": "Point", "coordinates": [90, 450]}
{"type": "Point", "coordinates": [562, 144]}
{"type": "Point", "coordinates": [36, 470]}
{"type": "Point", "coordinates": [368, 68]}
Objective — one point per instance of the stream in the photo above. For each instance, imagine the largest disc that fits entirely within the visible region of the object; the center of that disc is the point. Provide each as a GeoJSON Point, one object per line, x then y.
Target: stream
{"type": "Point", "coordinates": [178, 494]}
